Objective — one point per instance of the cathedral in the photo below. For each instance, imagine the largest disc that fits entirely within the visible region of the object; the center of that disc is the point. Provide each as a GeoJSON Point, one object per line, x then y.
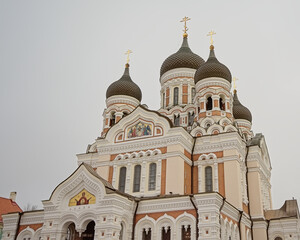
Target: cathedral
{"type": "Point", "coordinates": [193, 169]}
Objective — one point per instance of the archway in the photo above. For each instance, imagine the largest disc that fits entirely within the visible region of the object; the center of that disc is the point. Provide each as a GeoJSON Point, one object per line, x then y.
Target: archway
{"type": "Point", "coordinates": [88, 234]}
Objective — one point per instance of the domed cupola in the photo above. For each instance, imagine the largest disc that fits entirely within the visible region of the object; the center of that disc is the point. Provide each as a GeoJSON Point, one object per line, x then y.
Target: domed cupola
{"type": "Point", "coordinates": [212, 68]}
{"type": "Point", "coordinates": [239, 111]}
{"type": "Point", "coordinates": [183, 58]}
{"type": "Point", "coordinates": [124, 86]}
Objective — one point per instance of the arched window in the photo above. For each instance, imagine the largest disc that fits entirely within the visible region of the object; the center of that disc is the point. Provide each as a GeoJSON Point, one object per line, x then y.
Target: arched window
{"type": "Point", "coordinates": [191, 118]}
{"type": "Point", "coordinates": [125, 113]}
{"type": "Point", "coordinates": [222, 104]}
{"type": "Point", "coordinates": [71, 232]}
{"type": "Point", "coordinates": [186, 232]}
{"type": "Point", "coordinates": [166, 233]}
{"type": "Point", "coordinates": [112, 119]}
{"type": "Point", "coordinates": [175, 97]}
{"type": "Point", "coordinates": [278, 238]}
{"type": "Point", "coordinates": [137, 178]}
{"type": "Point", "coordinates": [146, 234]}
{"type": "Point", "coordinates": [152, 177]}
{"type": "Point", "coordinates": [177, 120]}
{"type": "Point", "coordinates": [122, 179]}
{"type": "Point", "coordinates": [208, 179]}
{"type": "Point", "coordinates": [193, 94]}
{"type": "Point", "coordinates": [209, 104]}
{"type": "Point", "coordinates": [163, 100]}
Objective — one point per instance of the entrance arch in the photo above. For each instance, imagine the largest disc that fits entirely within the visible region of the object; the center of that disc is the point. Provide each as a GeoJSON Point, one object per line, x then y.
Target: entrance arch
{"type": "Point", "coordinates": [88, 234]}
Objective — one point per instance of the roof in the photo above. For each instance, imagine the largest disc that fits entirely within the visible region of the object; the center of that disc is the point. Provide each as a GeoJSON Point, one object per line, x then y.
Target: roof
{"type": "Point", "coordinates": [8, 206]}
{"type": "Point", "coordinates": [239, 110]}
{"type": "Point", "coordinates": [124, 86]}
{"type": "Point", "coordinates": [183, 58]}
{"type": "Point", "coordinates": [212, 68]}
{"type": "Point", "coordinates": [288, 210]}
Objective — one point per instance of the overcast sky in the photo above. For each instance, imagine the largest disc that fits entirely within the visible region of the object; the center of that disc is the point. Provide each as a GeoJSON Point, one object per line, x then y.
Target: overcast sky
{"type": "Point", "coordinates": [58, 57]}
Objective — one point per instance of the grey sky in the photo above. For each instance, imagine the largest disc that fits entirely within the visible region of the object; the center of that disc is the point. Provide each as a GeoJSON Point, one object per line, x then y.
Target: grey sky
{"type": "Point", "coordinates": [58, 57]}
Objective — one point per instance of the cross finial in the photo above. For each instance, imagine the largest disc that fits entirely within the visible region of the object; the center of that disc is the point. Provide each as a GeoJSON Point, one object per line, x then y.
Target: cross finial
{"type": "Point", "coordinates": [185, 19]}
{"type": "Point", "coordinates": [211, 33]}
{"type": "Point", "coordinates": [127, 53]}
{"type": "Point", "coordinates": [234, 82]}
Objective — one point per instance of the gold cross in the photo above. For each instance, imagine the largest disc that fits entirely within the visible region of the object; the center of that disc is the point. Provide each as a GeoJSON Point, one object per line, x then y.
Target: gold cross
{"type": "Point", "coordinates": [234, 82]}
{"type": "Point", "coordinates": [127, 53]}
{"type": "Point", "coordinates": [185, 19]}
{"type": "Point", "coordinates": [211, 33]}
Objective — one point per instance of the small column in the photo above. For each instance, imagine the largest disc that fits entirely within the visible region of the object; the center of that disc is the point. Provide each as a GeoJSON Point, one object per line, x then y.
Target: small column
{"type": "Point", "coordinates": [158, 177]}
{"type": "Point", "coordinates": [216, 182]}
{"type": "Point", "coordinates": [143, 177]}
{"type": "Point", "coordinates": [199, 178]}
{"type": "Point", "coordinates": [114, 176]}
{"type": "Point", "coordinates": [128, 175]}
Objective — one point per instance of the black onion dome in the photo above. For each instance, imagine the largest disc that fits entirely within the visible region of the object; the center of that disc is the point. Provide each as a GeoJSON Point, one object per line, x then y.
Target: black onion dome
{"type": "Point", "coordinates": [183, 58]}
{"type": "Point", "coordinates": [124, 86]}
{"type": "Point", "coordinates": [240, 111]}
{"type": "Point", "coordinates": [212, 68]}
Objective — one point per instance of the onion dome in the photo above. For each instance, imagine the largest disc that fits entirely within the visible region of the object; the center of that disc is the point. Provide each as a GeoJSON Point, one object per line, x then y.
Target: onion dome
{"type": "Point", "coordinates": [124, 86]}
{"type": "Point", "coordinates": [212, 68]}
{"type": "Point", "coordinates": [239, 111]}
{"type": "Point", "coordinates": [183, 58]}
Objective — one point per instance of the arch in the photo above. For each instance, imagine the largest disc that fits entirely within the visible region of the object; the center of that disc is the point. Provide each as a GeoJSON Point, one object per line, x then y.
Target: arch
{"type": "Point", "coordinates": [214, 128]}
{"type": "Point", "coordinates": [112, 119]}
{"type": "Point", "coordinates": [207, 122]}
{"type": "Point", "coordinates": [175, 96]}
{"type": "Point", "coordinates": [27, 233]}
{"type": "Point", "coordinates": [177, 120]}
{"type": "Point", "coordinates": [209, 103]}
{"type": "Point", "coordinates": [225, 121]}
{"type": "Point", "coordinates": [144, 223]}
{"type": "Point", "coordinates": [165, 222]}
{"type": "Point", "coordinates": [198, 131]}
{"type": "Point", "coordinates": [137, 178]}
{"type": "Point", "coordinates": [186, 220]}
{"type": "Point", "coordinates": [191, 116]}
{"type": "Point", "coordinates": [230, 128]}
{"type": "Point", "coordinates": [85, 218]}
{"type": "Point", "coordinates": [37, 234]}
{"type": "Point", "coordinates": [122, 179]}
{"type": "Point", "coordinates": [193, 94]}
{"type": "Point", "coordinates": [222, 104]}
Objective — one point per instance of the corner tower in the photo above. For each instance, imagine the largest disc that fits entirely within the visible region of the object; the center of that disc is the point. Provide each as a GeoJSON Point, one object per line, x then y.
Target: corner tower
{"type": "Point", "coordinates": [213, 98]}
{"type": "Point", "coordinates": [177, 83]}
{"type": "Point", "coordinates": [122, 97]}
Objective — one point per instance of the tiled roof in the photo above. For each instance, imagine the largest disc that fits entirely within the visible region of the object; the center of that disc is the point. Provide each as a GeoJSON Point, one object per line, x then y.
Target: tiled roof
{"type": "Point", "coordinates": [8, 206]}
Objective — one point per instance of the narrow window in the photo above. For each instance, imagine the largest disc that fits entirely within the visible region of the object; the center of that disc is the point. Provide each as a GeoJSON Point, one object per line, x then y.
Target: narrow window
{"type": "Point", "coordinates": [166, 233]}
{"type": "Point", "coordinates": [152, 177]}
{"type": "Point", "coordinates": [112, 119]}
{"type": "Point", "coordinates": [137, 178]}
{"type": "Point", "coordinates": [208, 179]}
{"type": "Point", "coordinates": [146, 234]}
{"type": "Point", "coordinates": [209, 104]}
{"type": "Point", "coordinates": [163, 100]}
{"type": "Point", "coordinates": [125, 113]}
{"type": "Point", "coordinates": [186, 233]}
{"type": "Point", "coordinates": [191, 118]}
{"type": "Point", "coordinates": [193, 94]}
{"type": "Point", "coordinates": [222, 104]}
{"type": "Point", "coordinates": [122, 179]}
{"type": "Point", "coordinates": [177, 120]}
{"type": "Point", "coordinates": [175, 96]}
